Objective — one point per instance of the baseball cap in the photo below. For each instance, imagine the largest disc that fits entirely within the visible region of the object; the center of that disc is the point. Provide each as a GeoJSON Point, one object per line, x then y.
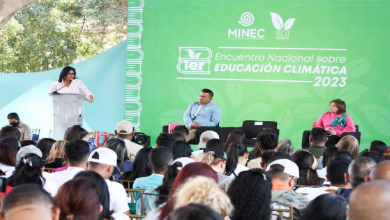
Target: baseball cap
{"type": "Point", "coordinates": [212, 143]}
{"type": "Point", "coordinates": [289, 167]}
{"type": "Point", "coordinates": [184, 161]}
{"type": "Point", "coordinates": [9, 142]}
{"type": "Point", "coordinates": [29, 149]}
{"type": "Point", "coordinates": [103, 155]}
{"type": "Point", "coordinates": [206, 136]}
{"type": "Point", "coordinates": [218, 153]}
{"type": "Point", "coordinates": [124, 127]}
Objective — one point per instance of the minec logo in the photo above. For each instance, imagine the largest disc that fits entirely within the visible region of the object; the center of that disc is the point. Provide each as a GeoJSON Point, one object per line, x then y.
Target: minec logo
{"type": "Point", "coordinates": [194, 60]}
{"type": "Point", "coordinates": [247, 20]}
{"type": "Point", "coordinates": [282, 32]}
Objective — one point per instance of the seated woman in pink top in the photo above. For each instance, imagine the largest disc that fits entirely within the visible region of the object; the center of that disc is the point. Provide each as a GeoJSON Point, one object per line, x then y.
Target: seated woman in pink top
{"type": "Point", "coordinates": [336, 121]}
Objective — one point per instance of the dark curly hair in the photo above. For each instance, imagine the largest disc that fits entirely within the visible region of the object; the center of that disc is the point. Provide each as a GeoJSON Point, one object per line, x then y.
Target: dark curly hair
{"type": "Point", "coordinates": [250, 194]}
{"type": "Point", "coordinates": [267, 139]}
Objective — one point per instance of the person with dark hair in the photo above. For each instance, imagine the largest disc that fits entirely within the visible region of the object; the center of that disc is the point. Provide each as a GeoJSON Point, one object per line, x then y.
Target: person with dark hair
{"type": "Point", "coordinates": [79, 198]}
{"type": "Point", "coordinates": [182, 129]}
{"type": "Point", "coordinates": [324, 160]}
{"type": "Point", "coordinates": [235, 136]}
{"type": "Point", "coordinates": [56, 155]}
{"type": "Point", "coordinates": [379, 146]}
{"type": "Point", "coordinates": [336, 121]}
{"type": "Point", "coordinates": [125, 132]}
{"type": "Point", "coordinates": [68, 83]}
{"type": "Point", "coordinates": [190, 170]}
{"type": "Point", "coordinates": [267, 140]}
{"type": "Point", "coordinates": [195, 211]}
{"type": "Point", "coordinates": [178, 136]}
{"type": "Point", "coordinates": [140, 165]}
{"type": "Point", "coordinates": [119, 147]}
{"type": "Point", "coordinates": [250, 194]}
{"type": "Point", "coordinates": [181, 149]}
{"type": "Point", "coordinates": [237, 158]}
{"type": "Point", "coordinates": [45, 145]}
{"type": "Point", "coordinates": [307, 175]}
{"type": "Point", "coordinates": [325, 207]}
{"type": "Point", "coordinates": [336, 169]}
{"type": "Point", "coordinates": [317, 140]}
{"type": "Point", "coordinates": [216, 158]}
{"type": "Point", "coordinates": [165, 140]}
{"type": "Point", "coordinates": [29, 170]}
{"type": "Point", "coordinates": [28, 142]}
{"type": "Point", "coordinates": [104, 193]}
{"type": "Point", "coordinates": [76, 156]}
{"type": "Point", "coordinates": [10, 131]}
{"type": "Point", "coordinates": [341, 154]}
{"type": "Point", "coordinates": [155, 197]}
{"type": "Point", "coordinates": [14, 121]}
{"type": "Point", "coordinates": [103, 161]}
{"type": "Point", "coordinates": [202, 114]}
{"type": "Point", "coordinates": [75, 133]}
{"type": "Point", "coordinates": [9, 147]}
{"type": "Point", "coordinates": [284, 174]}
{"type": "Point", "coordinates": [375, 155]}
{"type": "Point", "coordinates": [29, 201]}
{"type": "Point", "coordinates": [160, 158]}
{"type": "Point", "coordinates": [358, 170]}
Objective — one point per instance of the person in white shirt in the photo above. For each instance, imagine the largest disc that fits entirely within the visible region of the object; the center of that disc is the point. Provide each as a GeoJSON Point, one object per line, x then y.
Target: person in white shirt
{"type": "Point", "coordinates": [76, 156]}
{"type": "Point", "coordinates": [124, 131]}
{"type": "Point", "coordinates": [68, 83]}
{"type": "Point", "coordinates": [237, 158]}
{"type": "Point", "coordinates": [103, 161]}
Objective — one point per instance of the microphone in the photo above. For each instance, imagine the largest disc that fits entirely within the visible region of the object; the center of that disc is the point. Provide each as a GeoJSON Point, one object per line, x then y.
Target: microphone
{"type": "Point", "coordinates": [56, 92]}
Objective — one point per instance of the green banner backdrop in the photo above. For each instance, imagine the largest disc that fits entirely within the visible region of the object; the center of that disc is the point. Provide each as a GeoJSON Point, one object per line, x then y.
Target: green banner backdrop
{"type": "Point", "coordinates": [275, 60]}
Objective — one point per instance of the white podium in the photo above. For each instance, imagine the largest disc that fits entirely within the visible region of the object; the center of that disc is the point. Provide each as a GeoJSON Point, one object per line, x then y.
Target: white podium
{"type": "Point", "coordinates": [68, 110]}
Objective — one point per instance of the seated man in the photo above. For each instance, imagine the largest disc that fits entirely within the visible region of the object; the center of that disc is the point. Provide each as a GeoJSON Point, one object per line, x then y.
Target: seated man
{"type": "Point", "coordinates": [14, 121]}
{"type": "Point", "coordinates": [165, 140]}
{"type": "Point", "coordinates": [124, 130]}
{"type": "Point", "coordinates": [284, 173]}
{"type": "Point", "coordinates": [380, 172]}
{"type": "Point", "coordinates": [159, 158]}
{"type": "Point", "coordinates": [29, 201]}
{"type": "Point", "coordinates": [182, 129]}
{"type": "Point", "coordinates": [202, 113]}
{"type": "Point", "coordinates": [317, 140]}
{"type": "Point", "coordinates": [103, 161]}
{"type": "Point", "coordinates": [267, 140]}
{"type": "Point", "coordinates": [76, 156]}
{"type": "Point", "coordinates": [336, 169]}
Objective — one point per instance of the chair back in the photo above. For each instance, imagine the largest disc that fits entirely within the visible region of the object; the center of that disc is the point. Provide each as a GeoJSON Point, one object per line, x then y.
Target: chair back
{"type": "Point", "coordinates": [252, 128]}
{"type": "Point", "coordinates": [127, 184]}
{"type": "Point", "coordinates": [290, 210]}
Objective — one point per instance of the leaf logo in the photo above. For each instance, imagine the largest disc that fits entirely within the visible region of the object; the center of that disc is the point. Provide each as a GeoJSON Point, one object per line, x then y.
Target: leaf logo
{"type": "Point", "coordinates": [193, 55]}
{"type": "Point", "coordinates": [277, 21]}
{"type": "Point", "coordinates": [247, 19]}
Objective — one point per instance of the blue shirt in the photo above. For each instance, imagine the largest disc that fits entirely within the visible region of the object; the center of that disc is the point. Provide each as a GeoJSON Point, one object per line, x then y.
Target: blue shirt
{"type": "Point", "coordinates": [152, 181]}
{"type": "Point", "coordinates": [208, 116]}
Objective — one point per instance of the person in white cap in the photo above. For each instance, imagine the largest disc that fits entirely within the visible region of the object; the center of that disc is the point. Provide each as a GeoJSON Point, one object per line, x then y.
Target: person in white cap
{"type": "Point", "coordinates": [284, 174]}
{"type": "Point", "coordinates": [103, 161]}
{"type": "Point", "coordinates": [204, 138]}
{"type": "Point", "coordinates": [124, 130]}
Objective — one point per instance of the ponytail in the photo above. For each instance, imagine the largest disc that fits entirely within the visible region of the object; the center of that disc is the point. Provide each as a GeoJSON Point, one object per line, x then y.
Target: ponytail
{"type": "Point", "coordinates": [208, 157]}
{"type": "Point", "coordinates": [235, 150]}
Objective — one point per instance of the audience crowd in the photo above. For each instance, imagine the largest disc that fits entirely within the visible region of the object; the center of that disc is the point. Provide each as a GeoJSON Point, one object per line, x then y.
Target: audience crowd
{"type": "Point", "coordinates": [72, 179]}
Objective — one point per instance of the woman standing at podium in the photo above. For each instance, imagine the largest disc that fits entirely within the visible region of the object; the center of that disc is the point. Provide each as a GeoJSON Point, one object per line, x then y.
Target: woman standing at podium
{"type": "Point", "coordinates": [68, 83]}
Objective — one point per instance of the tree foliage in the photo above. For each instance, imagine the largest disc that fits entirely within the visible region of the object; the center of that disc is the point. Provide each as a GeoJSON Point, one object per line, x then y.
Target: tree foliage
{"type": "Point", "coordinates": [53, 33]}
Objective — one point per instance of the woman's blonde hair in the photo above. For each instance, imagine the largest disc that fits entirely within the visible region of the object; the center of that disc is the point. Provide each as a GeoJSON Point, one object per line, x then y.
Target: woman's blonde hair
{"type": "Point", "coordinates": [57, 151]}
{"type": "Point", "coordinates": [349, 143]}
{"type": "Point", "coordinates": [209, 158]}
{"type": "Point", "coordinates": [204, 191]}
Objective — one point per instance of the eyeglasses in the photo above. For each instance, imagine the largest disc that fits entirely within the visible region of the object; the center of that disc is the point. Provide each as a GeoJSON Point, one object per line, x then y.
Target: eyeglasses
{"type": "Point", "coordinates": [71, 74]}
